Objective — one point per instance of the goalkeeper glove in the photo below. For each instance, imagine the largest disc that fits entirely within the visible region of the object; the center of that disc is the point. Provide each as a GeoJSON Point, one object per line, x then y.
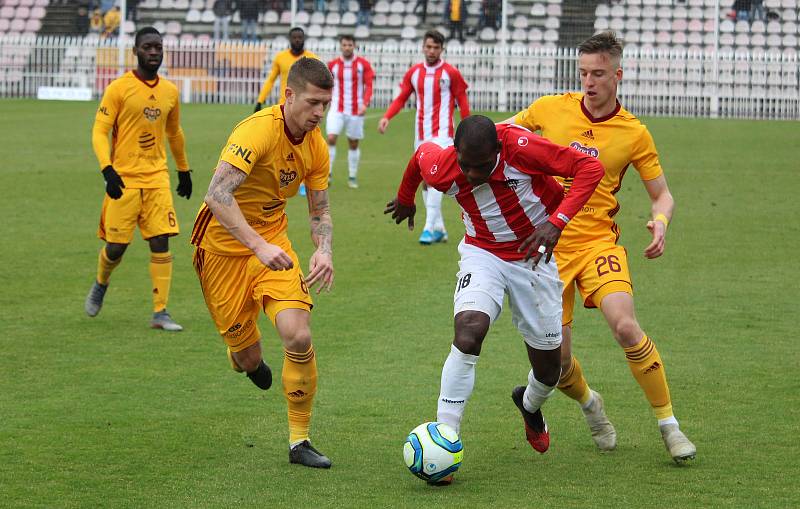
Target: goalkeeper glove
{"type": "Point", "coordinates": [114, 183]}
{"type": "Point", "coordinates": [185, 184]}
{"type": "Point", "coordinates": [257, 108]}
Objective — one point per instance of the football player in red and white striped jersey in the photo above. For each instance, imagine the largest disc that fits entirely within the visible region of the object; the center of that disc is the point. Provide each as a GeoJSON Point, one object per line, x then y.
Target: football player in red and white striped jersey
{"type": "Point", "coordinates": [352, 91]}
{"type": "Point", "coordinates": [438, 87]}
{"type": "Point", "coordinates": [513, 211]}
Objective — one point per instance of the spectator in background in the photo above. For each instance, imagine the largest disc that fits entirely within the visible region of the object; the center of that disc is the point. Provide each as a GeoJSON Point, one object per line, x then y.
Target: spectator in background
{"type": "Point", "coordinates": [96, 22]}
{"type": "Point", "coordinates": [321, 6]}
{"type": "Point", "coordinates": [111, 22]}
{"type": "Point", "coordinates": [757, 10]}
{"type": "Point", "coordinates": [422, 5]}
{"type": "Point", "coordinates": [457, 20]}
{"type": "Point", "coordinates": [742, 9]}
{"type": "Point", "coordinates": [364, 12]}
{"type": "Point", "coordinates": [106, 5]}
{"type": "Point", "coordinates": [490, 10]}
{"type": "Point", "coordinates": [248, 12]}
{"type": "Point", "coordinates": [82, 21]}
{"type": "Point", "coordinates": [131, 10]}
{"type": "Point", "coordinates": [223, 9]}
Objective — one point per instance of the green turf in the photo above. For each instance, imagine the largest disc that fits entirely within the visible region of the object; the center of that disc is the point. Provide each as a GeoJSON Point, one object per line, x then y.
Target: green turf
{"type": "Point", "coordinates": [105, 412]}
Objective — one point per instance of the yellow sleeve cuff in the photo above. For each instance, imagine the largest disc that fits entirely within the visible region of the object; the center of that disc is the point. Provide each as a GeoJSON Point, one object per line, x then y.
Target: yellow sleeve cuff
{"type": "Point", "coordinates": [663, 219]}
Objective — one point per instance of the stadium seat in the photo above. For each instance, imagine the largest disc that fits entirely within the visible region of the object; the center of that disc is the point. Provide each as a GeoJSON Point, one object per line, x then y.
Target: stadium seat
{"type": "Point", "coordinates": [361, 32]}
{"type": "Point", "coordinates": [600, 25]}
{"type": "Point", "coordinates": [789, 15]}
{"type": "Point", "coordinates": [773, 27]}
{"type": "Point", "coordinates": [520, 21]}
{"type": "Point", "coordinates": [11, 3]}
{"type": "Point", "coordinates": [180, 5]}
{"type": "Point", "coordinates": [519, 35]}
{"type": "Point", "coordinates": [551, 35]}
{"type": "Point", "coordinates": [193, 16]}
{"type": "Point", "coordinates": [539, 10]}
{"type": "Point", "coordinates": [207, 16]}
{"type": "Point", "coordinates": [330, 31]}
{"type": "Point", "coordinates": [411, 20]}
{"type": "Point", "coordinates": [790, 40]}
{"type": "Point", "coordinates": [317, 18]}
{"type": "Point", "coordinates": [37, 12]}
{"type": "Point", "coordinates": [552, 23]}
{"type": "Point", "coordinates": [22, 12]}
{"type": "Point", "coordinates": [487, 34]}
{"type": "Point", "coordinates": [17, 25]}
{"type": "Point", "coordinates": [601, 11]}
{"type": "Point", "coordinates": [408, 32]}
{"type": "Point", "coordinates": [315, 31]}
{"type": "Point", "coordinates": [349, 19]}
{"type": "Point", "coordinates": [535, 35]}
{"type": "Point", "coordinates": [633, 24]}
{"type": "Point", "coordinates": [381, 7]}
{"type": "Point", "coordinates": [333, 18]}
{"type": "Point", "coordinates": [166, 4]}
{"type": "Point", "coordinates": [5, 23]}
{"type": "Point", "coordinates": [617, 24]}
{"type": "Point", "coordinates": [7, 12]}
{"type": "Point", "coordinates": [379, 20]}
{"type": "Point", "coordinates": [664, 13]}
{"type": "Point", "coordinates": [394, 20]}
{"type": "Point", "coordinates": [397, 7]}
{"type": "Point", "coordinates": [271, 17]}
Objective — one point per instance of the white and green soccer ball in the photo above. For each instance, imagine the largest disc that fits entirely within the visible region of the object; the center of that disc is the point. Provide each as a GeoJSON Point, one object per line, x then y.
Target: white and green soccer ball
{"type": "Point", "coordinates": [433, 451]}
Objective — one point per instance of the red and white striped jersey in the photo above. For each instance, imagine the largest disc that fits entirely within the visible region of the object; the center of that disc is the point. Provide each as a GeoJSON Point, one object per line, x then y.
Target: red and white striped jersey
{"type": "Point", "coordinates": [352, 84]}
{"type": "Point", "coordinates": [437, 89]}
{"type": "Point", "coordinates": [521, 192]}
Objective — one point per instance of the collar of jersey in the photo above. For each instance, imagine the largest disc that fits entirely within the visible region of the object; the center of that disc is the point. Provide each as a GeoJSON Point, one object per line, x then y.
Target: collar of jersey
{"type": "Point", "coordinates": [138, 77]}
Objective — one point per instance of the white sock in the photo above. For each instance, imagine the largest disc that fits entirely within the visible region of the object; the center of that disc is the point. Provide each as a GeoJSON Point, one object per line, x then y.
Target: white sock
{"type": "Point", "coordinates": [433, 209]}
{"type": "Point", "coordinates": [669, 420]}
{"type": "Point", "coordinates": [536, 393]}
{"type": "Point", "coordinates": [458, 380]}
{"type": "Point", "coordinates": [353, 156]}
{"type": "Point", "coordinates": [332, 154]}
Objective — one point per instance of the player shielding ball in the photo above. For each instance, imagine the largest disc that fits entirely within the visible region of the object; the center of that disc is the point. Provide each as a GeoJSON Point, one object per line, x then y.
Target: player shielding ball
{"type": "Point", "coordinates": [142, 112]}
{"type": "Point", "coordinates": [243, 256]}
{"type": "Point", "coordinates": [588, 255]}
{"type": "Point", "coordinates": [513, 210]}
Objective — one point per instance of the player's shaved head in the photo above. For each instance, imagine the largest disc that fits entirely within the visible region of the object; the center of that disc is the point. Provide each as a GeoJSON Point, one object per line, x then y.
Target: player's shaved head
{"type": "Point", "coordinates": [477, 148]}
{"type": "Point", "coordinates": [476, 134]}
{"type": "Point", "coordinates": [309, 70]}
{"type": "Point", "coordinates": [604, 42]}
{"type": "Point", "coordinates": [142, 32]}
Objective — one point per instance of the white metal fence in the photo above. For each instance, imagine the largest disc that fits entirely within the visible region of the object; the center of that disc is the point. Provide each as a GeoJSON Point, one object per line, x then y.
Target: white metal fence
{"type": "Point", "coordinates": [507, 78]}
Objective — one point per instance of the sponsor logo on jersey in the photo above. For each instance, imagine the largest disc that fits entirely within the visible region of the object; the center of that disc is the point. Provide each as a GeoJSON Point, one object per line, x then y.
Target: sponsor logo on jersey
{"type": "Point", "coordinates": [562, 217]}
{"type": "Point", "coordinates": [287, 177]}
{"type": "Point", "coordinates": [513, 183]}
{"type": "Point", "coordinates": [522, 141]}
{"type": "Point", "coordinates": [290, 157]}
{"type": "Point", "coordinates": [147, 141]}
{"type": "Point", "coordinates": [152, 114]}
{"type": "Point", "coordinates": [240, 151]}
{"type": "Point", "coordinates": [586, 150]}
{"type": "Point", "coordinates": [103, 110]}
{"type": "Point", "coordinates": [152, 97]}
{"type": "Point", "coordinates": [299, 393]}
{"type": "Point", "coordinates": [434, 169]}
{"type": "Point", "coordinates": [588, 134]}
{"type": "Point", "coordinates": [553, 335]}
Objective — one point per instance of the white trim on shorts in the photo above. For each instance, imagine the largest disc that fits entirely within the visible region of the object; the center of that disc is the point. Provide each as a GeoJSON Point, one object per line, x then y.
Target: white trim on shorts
{"type": "Point", "coordinates": [534, 296]}
{"type": "Point", "coordinates": [352, 124]}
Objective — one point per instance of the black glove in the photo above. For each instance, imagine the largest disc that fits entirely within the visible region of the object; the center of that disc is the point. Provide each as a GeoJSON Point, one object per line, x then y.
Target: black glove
{"type": "Point", "coordinates": [185, 184]}
{"type": "Point", "coordinates": [257, 108]}
{"type": "Point", "coordinates": [114, 183]}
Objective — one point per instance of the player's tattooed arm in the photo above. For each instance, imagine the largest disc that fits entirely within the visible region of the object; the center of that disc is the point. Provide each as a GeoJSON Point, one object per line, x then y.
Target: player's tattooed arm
{"type": "Point", "coordinates": [227, 179]}
{"type": "Point", "coordinates": [321, 222]}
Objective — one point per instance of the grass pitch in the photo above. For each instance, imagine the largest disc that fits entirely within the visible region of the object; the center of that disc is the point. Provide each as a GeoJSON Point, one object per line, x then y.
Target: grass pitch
{"type": "Point", "coordinates": [105, 412]}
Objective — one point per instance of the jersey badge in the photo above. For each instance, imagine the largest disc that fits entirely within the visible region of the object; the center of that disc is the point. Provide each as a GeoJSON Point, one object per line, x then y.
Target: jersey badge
{"type": "Point", "coordinates": [522, 141]}
{"type": "Point", "coordinates": [592, 151]}
{"type": "Point", "coordinates": [152, 114]}
{"type": "Point", "coordinates": [287, 177]}
{"type": "Point", "coordinates": [434, 169]}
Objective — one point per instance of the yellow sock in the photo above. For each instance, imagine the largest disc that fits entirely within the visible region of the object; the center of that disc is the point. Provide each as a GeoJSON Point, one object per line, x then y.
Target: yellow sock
{"type": "Point", "coordinates": [161, 276]}
{"type": "Point", "coordinates": [105, 266]}
{"type": "Point", "coordinates": [573, 384]}
{"type": "Point", "coordinates": [648, 370]}
{"type": "Point", "coordinates": [299, 386]}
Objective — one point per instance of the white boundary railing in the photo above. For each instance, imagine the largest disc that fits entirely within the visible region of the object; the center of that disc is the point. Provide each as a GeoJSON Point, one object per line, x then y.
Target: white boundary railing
{"type": "Point", "coordinates": [656, 83]}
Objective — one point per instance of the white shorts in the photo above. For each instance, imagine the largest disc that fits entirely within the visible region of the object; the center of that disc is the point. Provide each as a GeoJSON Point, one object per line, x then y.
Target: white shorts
{"type": "Point", "coordinates": [439, 140]}
{"type": "Point", "coordinates": [533, 295]}
{"type": "Point", "coordinates": [353, 125]}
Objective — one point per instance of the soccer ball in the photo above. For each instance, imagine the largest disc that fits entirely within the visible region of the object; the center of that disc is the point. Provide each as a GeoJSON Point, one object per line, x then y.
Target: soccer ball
{"type": "Point", "coordinates": [433, 451]}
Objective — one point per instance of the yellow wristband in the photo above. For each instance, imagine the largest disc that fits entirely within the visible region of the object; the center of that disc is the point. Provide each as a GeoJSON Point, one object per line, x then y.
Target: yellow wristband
{"type": "Point", "coordinates": [663, 219]}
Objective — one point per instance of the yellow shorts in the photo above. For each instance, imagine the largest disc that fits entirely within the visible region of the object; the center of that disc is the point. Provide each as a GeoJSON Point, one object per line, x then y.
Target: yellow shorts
{"type": "Point", "coordinates": [237, 287]}
{"type": "Point", "coordinates": [151, 209]}
{"type": "Point", "coordinates": [596, 272]}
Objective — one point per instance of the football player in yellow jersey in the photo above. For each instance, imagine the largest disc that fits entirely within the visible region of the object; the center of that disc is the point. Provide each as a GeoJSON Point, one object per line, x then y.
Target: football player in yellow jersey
{"type": "Point", "coordinates": [243, 256]}
{"type": "Point", "coordinates": [587, 254]}
{"type": "Point", "coordinates": [141, 111]}
{"type": "Point", "coordinates": [282, 63]}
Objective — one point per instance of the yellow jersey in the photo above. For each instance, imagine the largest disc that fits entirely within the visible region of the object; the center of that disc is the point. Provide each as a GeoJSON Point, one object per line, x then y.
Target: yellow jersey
{"type": "Point", "coordinates": [142, 116]}
{"type": "Point", "coordinates": [617, 140]}
{"type": "Point", "coordinates": [280, 66]}
{"type": "Point", "coordinates": [275, 164]}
